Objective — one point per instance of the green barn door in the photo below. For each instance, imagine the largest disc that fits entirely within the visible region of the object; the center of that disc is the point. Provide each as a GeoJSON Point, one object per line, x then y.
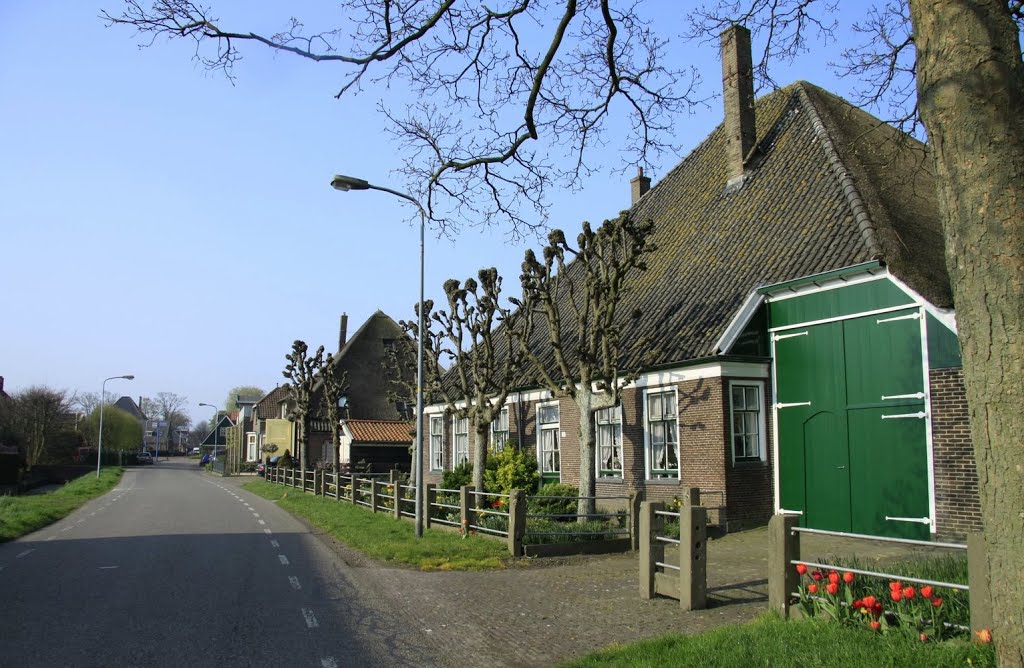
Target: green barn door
{"type": "Point", "coordinates": [886, 417]}
{"type": "Point", "coordinates": [814, 470]}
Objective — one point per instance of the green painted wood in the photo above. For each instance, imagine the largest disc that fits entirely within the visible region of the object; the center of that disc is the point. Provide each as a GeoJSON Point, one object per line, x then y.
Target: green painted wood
{"type": "Point", "coordinates": [943, 346]}
{"type": "Point", "coordinates": [835, 303]}
{"type": "Point", "coordinates": [882, 359]}
{"type": "Point", "coordinates": [827, 472]}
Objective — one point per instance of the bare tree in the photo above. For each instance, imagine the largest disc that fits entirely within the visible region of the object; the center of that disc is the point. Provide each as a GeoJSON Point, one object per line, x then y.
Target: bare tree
{"type": "Point", "coordinates": [955, 66]}
{"type": "Point", "coordinates": [333, 387]}
{"type": "Point", "coordinates": [567, 67]}
{"type": "Point", "coordinates": [301, 372]}
{"type": "Point", "coordinates": [579, 303]}
{"type": "Point", "coordinates": [87, 402]}
{"type": "Point", "coordinates": [479, 341]}
{"type": "Point", "coordinates": [39, 414]}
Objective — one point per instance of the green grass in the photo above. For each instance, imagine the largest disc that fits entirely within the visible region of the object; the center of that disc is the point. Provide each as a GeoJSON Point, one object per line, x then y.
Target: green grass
{"type": "Point", "coordinates": [382, 537]}
{"type": "Point", "coordinates": [769, 641]}
{"type": "Point", "coordinates": [20, 515]}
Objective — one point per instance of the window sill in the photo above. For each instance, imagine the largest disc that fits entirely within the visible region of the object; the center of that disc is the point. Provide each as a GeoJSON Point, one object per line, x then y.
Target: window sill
{"type": "Point", "coordinates": [662, 481]}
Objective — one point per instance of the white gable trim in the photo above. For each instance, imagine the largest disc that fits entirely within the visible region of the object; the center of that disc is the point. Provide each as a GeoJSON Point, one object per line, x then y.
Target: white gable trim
{"type": "Point", "coordinates": [946, 316]}
{"type": "Point", "coordinates": [739, 321]}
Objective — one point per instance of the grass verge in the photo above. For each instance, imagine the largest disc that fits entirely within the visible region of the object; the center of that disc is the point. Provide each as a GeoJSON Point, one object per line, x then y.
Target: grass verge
{"type": "Point", "coordinates": [20, 515]}
{"type": "Point", "coordinates": [769, 641]}
{"type": "Point", "coordinates": [382, 537]}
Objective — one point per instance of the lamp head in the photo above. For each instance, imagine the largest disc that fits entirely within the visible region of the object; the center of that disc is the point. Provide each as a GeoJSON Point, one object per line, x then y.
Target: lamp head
{"type": "Point", "coordinates": [345, 183]}
{"type": "Point", "coordinates": [128, 377]}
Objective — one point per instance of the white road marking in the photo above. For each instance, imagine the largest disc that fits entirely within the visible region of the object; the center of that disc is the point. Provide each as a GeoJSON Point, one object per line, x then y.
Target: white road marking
{"type": "Point", "coordinates": [92, 514]}
{"type": "Point", "coordinates": [310, 618]}
{"type": "Point", "coordinates": [255, 514]}
{"type": "Point", "coordinates": [67, 529]}
{"type": "Point", "coordinates": [25, 553]}
{"type": "Point", "coordinates": [107, 568]}
{"type": "Point", "coordinates": [268, 531]}
{"type": "Point", "coordinates": [51, 538]}
{"type": "Point", "coordinates": [275, 543]}
{"type": "Point", "coordinates": [261, 521]}
{"type": "Point", "coordinates": [328, 662]}
{"type": "Point", "coordinates": [294, 581]}
{"type": "Point", "coordinates": [284, 560]}
{"type": "Point", "coordinates": [79, 521]}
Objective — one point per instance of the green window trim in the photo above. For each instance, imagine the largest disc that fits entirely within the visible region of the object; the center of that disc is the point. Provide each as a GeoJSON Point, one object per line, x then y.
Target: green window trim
{"type": "Point", "coordinates": [499, 430]}
{"type": "Point", "coordinates": [608, 441]}
{"type": "Point", "coordinates": [460, 441]}
{"type": "Point", "coordinates": [747, 421]}
{"type": "Point", "coordinates": [661, 428]}
{"type": "Point", "coordinates": [436, 443]}
{"type": "Point", "coordinates": [549, 456]}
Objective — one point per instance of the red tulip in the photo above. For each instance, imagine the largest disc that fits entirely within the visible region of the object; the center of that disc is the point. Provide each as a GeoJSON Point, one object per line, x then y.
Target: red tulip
{"type": "Point", "coordinates": [927, 591]}
{"type": "Point", "coordinates": [857, 605]}
{"type": "Point", "coordinates": [875, 625]}
{"type": "Point", "coordinates": [817, 576]}
{"type": "Point", "coordinates": [908, 592]}
{"type": "Point", "coordinates": [893, 586]}
{"type": "Point", "coordinates": [801, 569]}
{"type": "Point", "coordinates": [833, 577]}
{"type": "Point", "coordinates": [896, 595]}
{"type": "Point", "coordinates": [868, 601]}
{"type": "Point", "coordinates": [812, 589]}
{"type": "Point", "coordinates": [876, 609]}
{"type": "Point", "coordinates": [832, 588]}
{"type": "Point", "coordinates": [924, 637]}
{"type": "Point", "coordinates": [847, 577]}
{"type": "Point", "coordinates": [937, 602]}
{"type": "Point", "coordinates": [984, 636]}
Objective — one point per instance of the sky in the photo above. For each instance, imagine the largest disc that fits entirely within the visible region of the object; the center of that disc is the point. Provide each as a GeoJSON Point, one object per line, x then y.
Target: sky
{"type": "Point", "coordinates": [157, 220]}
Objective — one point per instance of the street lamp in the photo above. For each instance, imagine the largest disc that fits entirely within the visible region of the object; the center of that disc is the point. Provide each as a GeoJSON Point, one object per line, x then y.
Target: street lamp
{"type": "Point", "coordinates": [346, 183]}
{"type": "Point", "coordinates": [103, 400]}
{"type": "Point", "coordinates": [216, 414]}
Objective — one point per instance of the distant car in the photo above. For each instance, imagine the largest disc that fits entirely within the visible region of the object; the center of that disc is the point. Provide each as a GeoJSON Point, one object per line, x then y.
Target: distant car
{"type": "Point", "coordinates": [195, 451]}
{"type": "Point", "coordinates": [205, 460]}
{"type": "Point", "coordinates": [261, 469]}
{"type": "Point", "coordinates": [144, 458]}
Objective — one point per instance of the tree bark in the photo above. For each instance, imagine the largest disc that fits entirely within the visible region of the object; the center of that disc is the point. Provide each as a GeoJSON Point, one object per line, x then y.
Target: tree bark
{"type": "Point", "coordinates": [589, 402]}
{"type": "Point", "coordinates": [970, 83]}
{"type": "Point", "coordinates": [481, 429]}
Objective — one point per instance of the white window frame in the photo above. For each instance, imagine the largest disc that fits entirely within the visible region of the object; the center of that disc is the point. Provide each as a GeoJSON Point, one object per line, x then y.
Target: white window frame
{"type": "Point", "coordinates": [556, 427]}
{"type": "Point", "coordinates": [602, 424]}
{"type": "Point", "coordinates": [498, 444]}
{"type": "Point", "coordinates": [436, 443]}
{"type": "Point", "coordinates": [761, 426]}
{"type": "Point", "coordinates": [460, 441]}
{"type": "Point", "coordinates": [648, 446]}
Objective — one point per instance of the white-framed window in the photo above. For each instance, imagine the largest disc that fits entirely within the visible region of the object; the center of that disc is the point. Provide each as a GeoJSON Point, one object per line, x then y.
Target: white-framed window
{"type": "Point", "coordinates": [662, 433]}
{"type": "Point", "coordinates": [460, 441]}
{"type": "Point", "coordinates": [608, 437]}
{"type": "Point", "coordinates": [436, 443]}
{"type": "Point", "coordinates": [499, 430]}
{"type": "Point", "coordinates": [251, 453]}
{"type": "Point", "coordinates": [746, 415]}
{"type": "Point", "coordinates": [549, 458]}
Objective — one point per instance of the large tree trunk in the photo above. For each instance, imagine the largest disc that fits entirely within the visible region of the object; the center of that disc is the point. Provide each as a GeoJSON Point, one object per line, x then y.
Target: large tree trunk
{"type": "Point", "coordinates": [970, 84]}
{"type": "Point", "coordinates": [482, 430]}
{"type": "Point", "coordinates": [588, 403]}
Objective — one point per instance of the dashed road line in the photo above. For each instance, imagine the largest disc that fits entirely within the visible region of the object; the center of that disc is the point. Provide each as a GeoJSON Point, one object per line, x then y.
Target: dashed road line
{"type": "Point", "coordinates": [261, 521]}
{"type": "Point", "coordinates": [25, 553]}
{"type": "Point", "coordinates": [310, 618]}
{"type": "Point", "coordinates": [274, 543]}
{"type": "Point", "coordinates": [283, 559]}
{"type": "Point", "coordinates": [255, 514]}
{"type": "Point", "coordinates": [67, 529]}
{"type": "Point", "coordinates": [107, 568]}
{"type": "Point", "coordinates": [51, 538]}
{"type": "Point", "coordinates": [268, 532]}
{"type": "Point", "coordinates": [328, 662]}
{"type": "Point", "coordinates": [294, 582]}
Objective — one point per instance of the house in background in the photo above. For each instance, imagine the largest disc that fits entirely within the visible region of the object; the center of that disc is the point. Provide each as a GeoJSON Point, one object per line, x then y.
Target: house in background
{"type": "Point", "coordinates": [274, 432]}
{"type": "Point", "coordinates": [376, 410]}
{"type": "Point", "coordinates": [216, 442]}
{"type": "Point", "coordinates": [796, 335]}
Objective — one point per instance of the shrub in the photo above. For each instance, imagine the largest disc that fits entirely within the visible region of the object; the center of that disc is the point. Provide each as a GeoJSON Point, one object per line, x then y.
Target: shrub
{"type": "Point", "coordinates": [562, 501]}
{"type": "Point", "coordinates": [567, 532]}
{"type": "Point", "coordinates": [286, 460]}
{"type": "Point", "coordinates": [510, 469]}
{"type": "Point", "coordinates": [458, 476]}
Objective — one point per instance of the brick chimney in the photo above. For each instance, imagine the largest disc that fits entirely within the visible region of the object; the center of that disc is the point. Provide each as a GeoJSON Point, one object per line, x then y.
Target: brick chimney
{"type": "Point", "coordinates": [738, 97]}
{"type": "Point", "coordinates": [639, 185]}
{"type": "Point", "coordinates": [343, 332]}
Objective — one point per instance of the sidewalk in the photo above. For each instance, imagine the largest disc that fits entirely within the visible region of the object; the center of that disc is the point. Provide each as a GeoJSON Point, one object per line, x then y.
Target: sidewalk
{"type": "Point", "coordinates": [551, 610]}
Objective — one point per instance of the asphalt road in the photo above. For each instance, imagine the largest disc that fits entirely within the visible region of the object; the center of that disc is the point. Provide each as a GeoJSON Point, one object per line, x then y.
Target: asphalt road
{"type": "Point", "coordinates": [178, 568]}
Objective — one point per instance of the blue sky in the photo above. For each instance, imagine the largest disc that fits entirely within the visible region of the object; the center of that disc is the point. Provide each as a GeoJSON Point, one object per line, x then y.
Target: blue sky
{"type": "Point", "coordinates": [158, 220]}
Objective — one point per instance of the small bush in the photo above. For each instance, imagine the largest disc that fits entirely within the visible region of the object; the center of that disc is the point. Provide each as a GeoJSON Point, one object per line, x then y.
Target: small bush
{"type": "Point", "coordinates": [567, 532]}
{"type": "Point", "coordinates": [563, 501]}
{"type": "Point", "coordinates": [286, 460]}
{"type": "Point", "coordinates": [458, 476]}
{"type": "Point", "coordinates": [510, 469]}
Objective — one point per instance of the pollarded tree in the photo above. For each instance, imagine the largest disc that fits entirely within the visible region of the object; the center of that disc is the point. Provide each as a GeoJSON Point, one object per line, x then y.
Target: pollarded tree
{"type": "Point", "coordinates": [578, 301]}
{"type": "Point", "coordinates": [332, 387]}
{"type": "Point", "coordinates": [301, 372]}
{"type": "Point", "coordinates": [480, 343]}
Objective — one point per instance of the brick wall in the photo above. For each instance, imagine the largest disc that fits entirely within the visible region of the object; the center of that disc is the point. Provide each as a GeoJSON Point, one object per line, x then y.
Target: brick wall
{"type": "Point", "coordinates": [957, 508]}
{"type": "Point", "coordinates": [749, 484]}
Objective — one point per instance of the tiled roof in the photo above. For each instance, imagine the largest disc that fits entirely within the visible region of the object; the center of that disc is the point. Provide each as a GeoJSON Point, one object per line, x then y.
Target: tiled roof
{"type": "Point", "coordinates": [268, 407]}
{"type": "Point", "coordinates": [380, 431]}
{"type": "Point", "coordinates": [830, 187]}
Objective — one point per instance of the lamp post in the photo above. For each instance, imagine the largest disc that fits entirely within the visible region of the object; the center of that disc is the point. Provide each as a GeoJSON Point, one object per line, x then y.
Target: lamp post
{"type": "Point", "coordinates": [103, 400]}
{"type": "Point", "coordinates": [216, 414]}
{"type": "Point", "coordinates": [346, 183]}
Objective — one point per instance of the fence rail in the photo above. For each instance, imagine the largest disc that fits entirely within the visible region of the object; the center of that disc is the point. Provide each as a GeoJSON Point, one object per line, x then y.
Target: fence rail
{"type": "Point", "coordinates": [685, 580]}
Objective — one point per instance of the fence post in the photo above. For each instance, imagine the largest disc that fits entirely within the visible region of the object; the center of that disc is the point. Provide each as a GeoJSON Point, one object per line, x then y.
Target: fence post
{"type": "Point", "coordinates": [783, 547]}
{"type": "Point", "coordinates": [396, 495]}
{"type": "Point", "coordinates": [373, 495]}
{"type": "Point", "coordinates": [651, 550]}
{"type": "Point", "coordinates": [691, 497]}
{"type": "Point", "coordinates": [430, 489]}
{"type": "Point", "coordinates": [634, 520]}
{"type": "Point", "coordinates": [355, 489]}
{"type": "Point", "coordinates": [516, 521]}
{"type": "Point", "coordinates": [693, 552]}
{"type": "Point", "coordinates": [466, 501]}
{"type": "Point", "coordinates": [978, 581]}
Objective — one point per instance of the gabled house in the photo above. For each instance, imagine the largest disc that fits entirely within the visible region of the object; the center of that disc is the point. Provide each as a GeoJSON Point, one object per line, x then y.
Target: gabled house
{"type": "Point", "coordinates": [373, 407]}
{"type": "Point", "coordinates": [274, 432]}
{"type": "Point", "coordinates": [216, 441]}
{"type": "Point", "coordinates": [795, 332]}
